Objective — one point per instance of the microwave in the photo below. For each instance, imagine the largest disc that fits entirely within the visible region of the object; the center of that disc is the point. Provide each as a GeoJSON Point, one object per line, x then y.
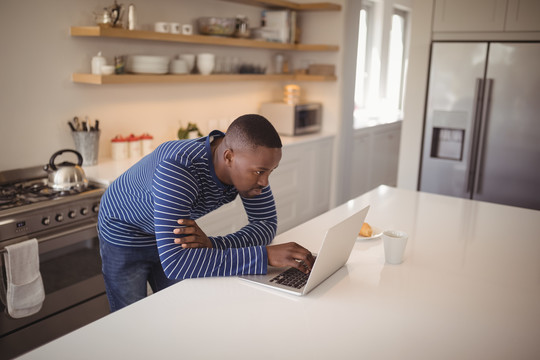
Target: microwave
{"type": "Point", "coordinates": [293, 119]}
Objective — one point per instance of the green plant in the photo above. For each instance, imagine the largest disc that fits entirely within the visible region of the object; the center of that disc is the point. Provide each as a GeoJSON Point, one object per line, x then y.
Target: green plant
{"type": "Point", "coordinates": [183, 133]}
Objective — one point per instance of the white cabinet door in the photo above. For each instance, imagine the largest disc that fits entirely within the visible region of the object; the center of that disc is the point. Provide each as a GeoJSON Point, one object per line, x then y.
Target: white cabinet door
{"type": "Point", "coordinates": [385, 156]}
{"type": "Point", "coordinates": [469, 15]}
{"type": "Point", "coordinates": [287, 186]}
{"type": "Point", "coordinates": [225, 220]}
{"type": "Point", "coordinates": [523, 15]}
{"type": "Point", "coordinates": [375, 158]}
{"type": "Point", "coordinates": [321, 165]}
{"type": "Point", "coordinates": [301, 183]}
{"type": "Point", "coordinates": [361, 161]}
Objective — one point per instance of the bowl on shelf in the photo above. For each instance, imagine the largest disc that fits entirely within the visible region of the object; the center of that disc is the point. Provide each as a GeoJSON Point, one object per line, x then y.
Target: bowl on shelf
{"type": "Point", "coordinates": [107, 69]}
{"type": "Point", "coordinates": [217, 26]}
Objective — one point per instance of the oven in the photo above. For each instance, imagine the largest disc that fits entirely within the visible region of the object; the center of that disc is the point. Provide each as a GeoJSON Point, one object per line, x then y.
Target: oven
{"type": "Point", "coordinates": [65, 226]}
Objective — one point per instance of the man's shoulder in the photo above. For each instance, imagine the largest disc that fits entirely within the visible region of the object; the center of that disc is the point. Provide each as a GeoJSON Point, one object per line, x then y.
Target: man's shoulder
{"type": "Point", "coordinates": [184, 151]}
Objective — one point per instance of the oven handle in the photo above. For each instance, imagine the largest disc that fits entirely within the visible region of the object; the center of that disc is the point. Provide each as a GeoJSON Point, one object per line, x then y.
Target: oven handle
{"type": "Point", "coordinates": [62, 233]}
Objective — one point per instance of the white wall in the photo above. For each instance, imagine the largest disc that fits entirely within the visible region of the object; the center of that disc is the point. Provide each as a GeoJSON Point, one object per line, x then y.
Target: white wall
{"type": "Point", "coordinates": [37, 96]}
{"type": "Point", "coordinates": [415, 94]}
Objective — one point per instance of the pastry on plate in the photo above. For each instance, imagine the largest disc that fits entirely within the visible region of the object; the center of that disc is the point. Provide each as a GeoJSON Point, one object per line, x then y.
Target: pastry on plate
{"type": "Point", "coordinates": [366, 230]}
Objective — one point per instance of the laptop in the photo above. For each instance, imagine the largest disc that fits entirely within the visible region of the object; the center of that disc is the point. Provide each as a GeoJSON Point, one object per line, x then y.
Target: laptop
{"type": "Point", "coordinates": [332, 255]}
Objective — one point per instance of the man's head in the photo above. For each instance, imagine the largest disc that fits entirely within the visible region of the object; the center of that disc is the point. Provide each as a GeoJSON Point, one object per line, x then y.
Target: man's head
{"type": "Point", "coordinates": [251, 150]}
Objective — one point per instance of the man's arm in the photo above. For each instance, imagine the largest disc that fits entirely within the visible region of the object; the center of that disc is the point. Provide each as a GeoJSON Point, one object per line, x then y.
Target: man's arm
{"type": "Point", "coordinates": [174, 191]}
{"type": "Point", "coordinates": [262, 223]}
{"type": "Point", "coordinates": [290, 254]}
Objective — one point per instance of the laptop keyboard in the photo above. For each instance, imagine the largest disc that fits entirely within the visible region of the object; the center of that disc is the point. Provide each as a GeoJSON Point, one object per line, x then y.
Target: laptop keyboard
{"type": "Point", "coordinates": [292, 278]}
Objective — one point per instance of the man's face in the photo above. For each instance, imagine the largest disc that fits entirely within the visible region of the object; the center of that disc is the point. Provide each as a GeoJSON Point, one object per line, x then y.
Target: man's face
{"type": "Point", "coordinates": [250, 169]}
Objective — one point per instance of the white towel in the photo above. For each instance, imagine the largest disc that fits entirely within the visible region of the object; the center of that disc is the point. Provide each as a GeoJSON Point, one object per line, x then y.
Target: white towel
{"type": "Point", "coordinates": [24, 292]}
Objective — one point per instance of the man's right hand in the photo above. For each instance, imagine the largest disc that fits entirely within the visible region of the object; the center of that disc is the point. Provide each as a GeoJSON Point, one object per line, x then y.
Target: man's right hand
{"type": "Point", "coordinates": [290, 254]}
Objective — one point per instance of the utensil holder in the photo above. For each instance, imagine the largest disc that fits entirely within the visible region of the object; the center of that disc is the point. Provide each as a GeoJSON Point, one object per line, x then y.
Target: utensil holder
{"type": "Point", "coordinates": [87, 143]}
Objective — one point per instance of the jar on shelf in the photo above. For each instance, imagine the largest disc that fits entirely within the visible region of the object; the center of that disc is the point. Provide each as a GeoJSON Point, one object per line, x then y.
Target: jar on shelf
{"type": "Point", "coordinates": [147, 141]}
{"type": "Point", "coordinates": [119, 148]}
{"type": "Point", "coordinates": [134, 144]}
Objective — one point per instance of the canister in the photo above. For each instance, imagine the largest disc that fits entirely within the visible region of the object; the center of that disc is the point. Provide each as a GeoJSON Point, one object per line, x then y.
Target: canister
{"type": "Point", "coordinates": [147, 141]}
{"type": "Point", "coordinates": [97, 62]}
{"type": "Point", "coordinates": [119, 148]}
{"type": "Point", "coordinates": [134, 144]}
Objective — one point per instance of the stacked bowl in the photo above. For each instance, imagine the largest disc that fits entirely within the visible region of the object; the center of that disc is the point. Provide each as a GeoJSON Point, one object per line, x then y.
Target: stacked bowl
{"type": "Point", "coordinates": [147, 64]}
{"type": "Point", "coordinates": [179, 66]}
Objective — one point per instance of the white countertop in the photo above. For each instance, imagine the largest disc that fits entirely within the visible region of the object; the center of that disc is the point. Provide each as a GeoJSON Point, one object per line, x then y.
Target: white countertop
{"type": "Point", "coordinates": [108, 169]}
{"type": "Point", "coordinates": [469, 288]}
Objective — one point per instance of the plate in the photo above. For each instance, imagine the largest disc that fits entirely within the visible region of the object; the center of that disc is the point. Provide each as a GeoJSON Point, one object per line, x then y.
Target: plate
{"type": "Point", "coordinates": [376, 233]}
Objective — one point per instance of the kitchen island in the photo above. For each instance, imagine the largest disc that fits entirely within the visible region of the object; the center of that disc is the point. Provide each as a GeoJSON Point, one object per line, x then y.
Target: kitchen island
{"type": "Point", "coordinates": [469, 288]}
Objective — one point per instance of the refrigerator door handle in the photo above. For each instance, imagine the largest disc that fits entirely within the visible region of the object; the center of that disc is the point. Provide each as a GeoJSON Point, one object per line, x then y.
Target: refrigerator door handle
{"type": "Point", "coordinates": [477, 114]}
{"type": "Point", "coordinates": [484, 123]}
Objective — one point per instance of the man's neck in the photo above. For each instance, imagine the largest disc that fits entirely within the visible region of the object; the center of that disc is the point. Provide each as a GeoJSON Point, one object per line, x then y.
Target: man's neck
{"type": "Point", "coordinates": [217, 147]}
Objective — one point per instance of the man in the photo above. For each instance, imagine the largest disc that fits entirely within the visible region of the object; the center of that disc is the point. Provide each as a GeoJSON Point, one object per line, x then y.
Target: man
{"type": "Point", "coordinates": [147, 226]}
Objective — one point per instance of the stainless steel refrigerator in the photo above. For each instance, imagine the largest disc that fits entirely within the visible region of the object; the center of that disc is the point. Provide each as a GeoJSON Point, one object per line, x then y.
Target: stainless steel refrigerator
{"type": "Point", "coordinates": [482, 122]}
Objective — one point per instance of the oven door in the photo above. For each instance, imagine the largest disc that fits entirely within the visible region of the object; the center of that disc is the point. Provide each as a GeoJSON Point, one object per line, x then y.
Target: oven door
{"type": "Point", "coordinates": [70, 266]}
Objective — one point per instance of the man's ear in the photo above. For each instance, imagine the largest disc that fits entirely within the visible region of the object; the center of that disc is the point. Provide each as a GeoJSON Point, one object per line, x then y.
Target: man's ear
{"type": "Point", "coordinates": [228, 156]}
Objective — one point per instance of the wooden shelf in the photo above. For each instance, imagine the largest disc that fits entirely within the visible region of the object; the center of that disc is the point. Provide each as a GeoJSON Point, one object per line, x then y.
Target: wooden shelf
{"type": "Point", "coordinates": [96, 31]}
{"type": "Point", "coordinates": [108, 32]}
{"type": "Point", "coordinates": [282, 4]}
{"type": "Point", "coordinates": [141, 79]}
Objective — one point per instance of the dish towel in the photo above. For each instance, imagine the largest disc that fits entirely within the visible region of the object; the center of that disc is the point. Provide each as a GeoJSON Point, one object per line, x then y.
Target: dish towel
{"type": "Point", "coordinates": [22, 287]}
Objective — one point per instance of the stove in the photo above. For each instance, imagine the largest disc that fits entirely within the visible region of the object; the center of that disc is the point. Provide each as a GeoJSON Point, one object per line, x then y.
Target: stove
{"type": "Point", "coordinates": [28, 205]}
{"type": "Point", "coordinates": [65, 225]}
{"type": "Point", "coordinates": [31, 192]}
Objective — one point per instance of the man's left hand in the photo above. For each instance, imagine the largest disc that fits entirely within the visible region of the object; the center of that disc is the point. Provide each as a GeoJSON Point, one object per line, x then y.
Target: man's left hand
{"type": "Point", "coordinates": [193, 236]}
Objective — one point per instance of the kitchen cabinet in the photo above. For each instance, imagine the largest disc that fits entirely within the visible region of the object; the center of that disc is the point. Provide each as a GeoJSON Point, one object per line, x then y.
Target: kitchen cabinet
{"type": "Point", "coordinates": [301, 183]}
{"type": "Point", "coordinates": [523, 15]}
{"type": "Point", "coordinates": [301, 187]}
{"type": "Point", "coordinates": [466, 15]}
{"type": "Point", "coordinates": [375, 157]}
{"type": "Point", "coordinates": [486, 16]}
{"type": "Point", "coordinates": [101, 32]}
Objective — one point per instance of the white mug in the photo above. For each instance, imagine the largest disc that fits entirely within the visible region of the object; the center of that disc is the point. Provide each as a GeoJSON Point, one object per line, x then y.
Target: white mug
{"type": "Point", "coordinates": [161, 27]}
{"type": "Point", "coordinates": [189, 59]}
{"type": "Point", "coordinates": [175, 28]}
{"type": "Point", "coordinates": [394, 246]}
{"type": "Point", "coordinates": [187, 29]}
{"type": "Point", "coordinates": [206, 63]}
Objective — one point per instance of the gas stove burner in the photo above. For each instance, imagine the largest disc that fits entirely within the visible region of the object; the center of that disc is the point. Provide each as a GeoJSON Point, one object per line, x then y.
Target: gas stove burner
{"type": "Point", "coordinates": [41, 188]}
{"type": "Point", "coordinates": [9, 203]}
{"type": "Point", "coordinates": [33, 191]}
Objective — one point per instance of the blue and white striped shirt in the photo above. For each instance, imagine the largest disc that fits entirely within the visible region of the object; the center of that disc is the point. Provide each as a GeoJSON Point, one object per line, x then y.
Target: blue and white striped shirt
{"type": "Point", "coordinates": [177, 180]}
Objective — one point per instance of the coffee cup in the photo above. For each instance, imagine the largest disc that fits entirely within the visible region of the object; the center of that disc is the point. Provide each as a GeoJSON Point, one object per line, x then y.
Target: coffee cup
{"type": "Point", "coordinates": [175, 28]}
{"type": "Point", "coordinates": [162, 27]}
{"type": "Point", "coordinates": [394, 246]}
{"type": "Point", "coordinates": [187, 29]}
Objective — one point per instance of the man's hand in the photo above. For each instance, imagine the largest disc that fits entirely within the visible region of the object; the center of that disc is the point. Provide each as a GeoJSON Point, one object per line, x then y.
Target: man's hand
{"type": "Point", "coordinates": [290, 254]}
{"type": "Point", "coordinates": [193, 237]}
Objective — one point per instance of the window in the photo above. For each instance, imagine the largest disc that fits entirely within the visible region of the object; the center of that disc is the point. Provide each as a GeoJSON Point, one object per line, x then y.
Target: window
{"type": "Point", "coordinates": [361, 60]}
{"type": "Point", "coordinates": [380, 75]}
{"type": "Point", "coordinates": [396, 62]}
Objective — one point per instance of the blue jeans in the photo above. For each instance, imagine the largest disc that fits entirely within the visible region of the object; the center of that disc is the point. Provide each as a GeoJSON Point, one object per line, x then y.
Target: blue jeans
{"type": "Point", "coordinates": [126, 271]}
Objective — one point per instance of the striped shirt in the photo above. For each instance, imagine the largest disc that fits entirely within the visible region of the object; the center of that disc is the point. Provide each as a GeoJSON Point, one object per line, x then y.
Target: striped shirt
{"type": "Point", "coordinates": [177, 180]}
